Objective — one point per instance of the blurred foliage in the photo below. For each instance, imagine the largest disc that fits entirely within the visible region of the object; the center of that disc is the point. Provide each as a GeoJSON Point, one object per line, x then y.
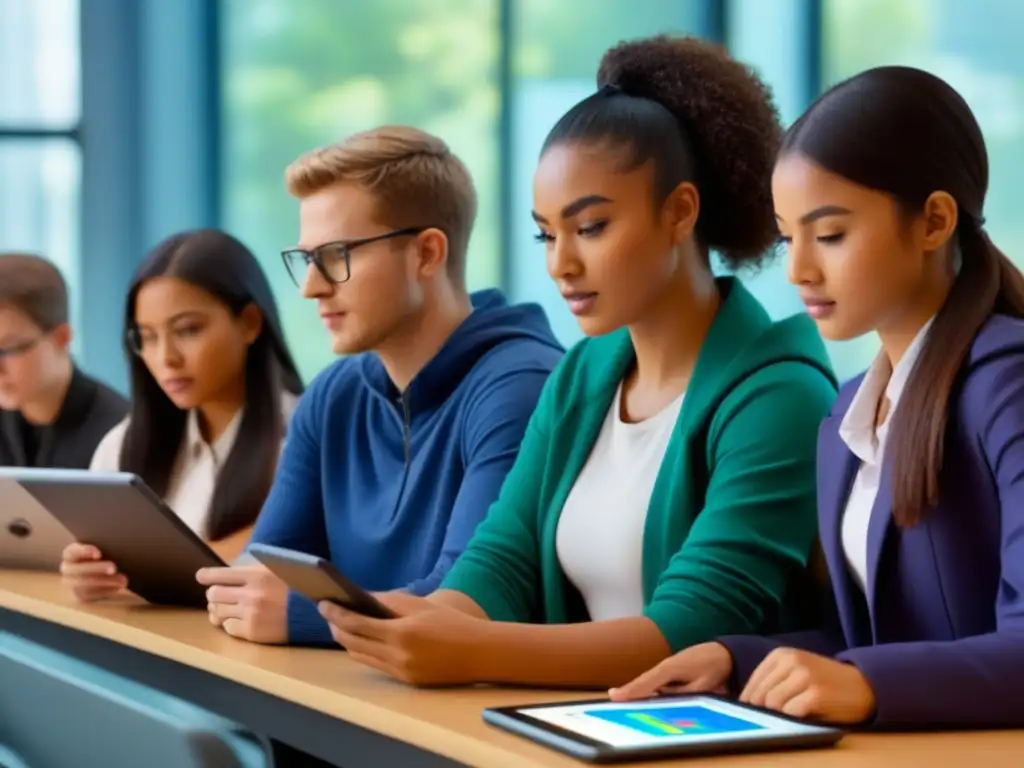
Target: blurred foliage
{"type": "Point", "coordinates": [302, 73]}
{"type": "Point", "coordinates": [967, 44]}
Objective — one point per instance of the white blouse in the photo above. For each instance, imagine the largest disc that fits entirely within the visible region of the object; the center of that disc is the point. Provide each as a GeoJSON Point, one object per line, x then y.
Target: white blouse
{"type": "Point", "coordinates": [600, 533]}
{"type": "Point", "coordinates": [867, 443]}
{"type": "Point", "coordinates": [194, 477]}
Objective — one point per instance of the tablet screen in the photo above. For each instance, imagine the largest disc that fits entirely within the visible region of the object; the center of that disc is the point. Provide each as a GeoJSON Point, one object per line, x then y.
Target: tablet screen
{"type": "Point", "coordinates": [665, 721]}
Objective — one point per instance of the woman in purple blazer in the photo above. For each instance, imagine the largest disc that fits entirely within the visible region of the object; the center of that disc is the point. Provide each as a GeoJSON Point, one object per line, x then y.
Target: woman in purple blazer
{"type": "Point", "coordinates": [879, 193]}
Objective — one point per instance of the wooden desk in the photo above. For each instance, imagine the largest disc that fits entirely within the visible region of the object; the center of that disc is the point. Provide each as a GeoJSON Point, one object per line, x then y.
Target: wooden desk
{"type": "Point", "coordinates": [432, 727]}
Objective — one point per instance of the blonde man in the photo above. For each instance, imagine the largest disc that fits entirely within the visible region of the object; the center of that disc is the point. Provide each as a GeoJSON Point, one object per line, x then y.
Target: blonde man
{"type": "Point", "coordinates": [397, 450]}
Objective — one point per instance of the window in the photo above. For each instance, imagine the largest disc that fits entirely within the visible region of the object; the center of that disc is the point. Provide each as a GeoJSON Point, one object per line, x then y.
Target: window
{"type": "Point", "coordinates": [973, 46]}
{"type": "Point", "coordinates": [40, 157]}
{"type": "Point", "coordinates": [39, 181]}
{"type": "Point", "coordinates": [300, 75]}
{"type": "Point", "coordinates": [556, 51]}
{"type": "Point", "coordinates": [787, 61]}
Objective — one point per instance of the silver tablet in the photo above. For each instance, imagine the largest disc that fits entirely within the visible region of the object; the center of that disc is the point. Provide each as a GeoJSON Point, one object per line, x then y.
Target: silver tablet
{"type": "Point", "coordinates": [122, 517]}
{"type": "Point", "coordinates": [30, 537]}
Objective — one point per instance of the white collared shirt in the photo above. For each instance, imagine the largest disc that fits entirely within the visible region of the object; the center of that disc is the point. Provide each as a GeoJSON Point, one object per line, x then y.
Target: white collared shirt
{"type": "Point", "coordinates": [867, 443]}
{"type": "Point", "coordinates": [196, 467]}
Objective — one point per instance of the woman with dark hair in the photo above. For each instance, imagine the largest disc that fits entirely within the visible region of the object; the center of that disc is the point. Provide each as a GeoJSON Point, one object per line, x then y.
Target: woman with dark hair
{"type": "Point", "coordinates": [880, 192]}
{"type": "Point", "coordinates": [213, 385]}
{"type": "Point", "coordinates": [664, 492]}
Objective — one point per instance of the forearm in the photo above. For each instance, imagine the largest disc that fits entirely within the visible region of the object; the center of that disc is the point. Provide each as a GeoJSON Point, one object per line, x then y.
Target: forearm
{"type": "Point", "coordinates": [971, 682]}
{"type": "Point", "coordinates": [585, 655]}
{"type": "Point", "coordinates": [460, 602]}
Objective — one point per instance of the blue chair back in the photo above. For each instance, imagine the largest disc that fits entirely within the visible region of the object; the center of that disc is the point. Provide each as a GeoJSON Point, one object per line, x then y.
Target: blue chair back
{"type": "Point", "coordinates": [57, 710]}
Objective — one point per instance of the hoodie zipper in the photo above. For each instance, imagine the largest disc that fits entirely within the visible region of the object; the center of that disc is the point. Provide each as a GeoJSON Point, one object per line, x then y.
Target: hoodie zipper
{"type": "Point", "coordinates": [406, 417]}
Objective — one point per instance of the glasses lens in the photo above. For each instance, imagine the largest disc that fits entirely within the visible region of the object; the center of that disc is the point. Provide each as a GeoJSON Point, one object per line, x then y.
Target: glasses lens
{"type": "Point", "coordinates": [335, 264]}
{"type": "Point", "coordinates": [295, 263]}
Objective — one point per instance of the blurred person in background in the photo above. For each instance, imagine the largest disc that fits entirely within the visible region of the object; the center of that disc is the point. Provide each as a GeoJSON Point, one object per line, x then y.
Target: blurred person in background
{"type": "Point", "coordinates": [213, 387]}
{"type": "Point", "coordinates": [51, 413]}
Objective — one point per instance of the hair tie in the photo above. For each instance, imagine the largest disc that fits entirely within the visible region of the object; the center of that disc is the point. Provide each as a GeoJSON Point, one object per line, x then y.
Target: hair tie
{"type": "Point", "coordinates": [610, 89]}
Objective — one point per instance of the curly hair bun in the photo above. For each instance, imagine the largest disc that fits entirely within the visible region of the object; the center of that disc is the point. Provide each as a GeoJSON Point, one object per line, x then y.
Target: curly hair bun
{"type": "Point", "coordinates": [732, 125]}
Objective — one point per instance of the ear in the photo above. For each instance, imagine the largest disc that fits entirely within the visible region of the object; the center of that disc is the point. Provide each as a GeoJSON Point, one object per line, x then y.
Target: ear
{"type": "Point", "coordinates": [940, 217]}
{"type": "Point", "coordinates": [432, 252]}
{"type": "Point", "coordinates": [251, 320]}
{"type": "Point", "coordinates": [62, 336]}
{"type": "Point", "coordinates": [681, 209]}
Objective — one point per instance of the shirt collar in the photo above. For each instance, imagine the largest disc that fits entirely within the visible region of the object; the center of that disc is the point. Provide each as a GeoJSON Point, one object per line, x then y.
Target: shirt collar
{"type": "Point", "coordinates": [221, 447]}
{"type": "Point", "coordinates": [858, 426]}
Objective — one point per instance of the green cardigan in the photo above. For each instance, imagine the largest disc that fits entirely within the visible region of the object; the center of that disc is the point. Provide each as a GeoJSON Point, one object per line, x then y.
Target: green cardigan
{"type": "Point", "coordinates": [732, 515]}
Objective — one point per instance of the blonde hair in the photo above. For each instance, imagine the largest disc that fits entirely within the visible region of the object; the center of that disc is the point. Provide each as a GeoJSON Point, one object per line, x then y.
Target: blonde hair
{"type": "Point", "coordinates": [414, 176]}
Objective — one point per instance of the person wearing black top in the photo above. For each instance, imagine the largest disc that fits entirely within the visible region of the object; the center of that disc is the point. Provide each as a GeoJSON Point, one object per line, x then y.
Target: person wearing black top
{"type": "Point", "coordinates": [51, 413]}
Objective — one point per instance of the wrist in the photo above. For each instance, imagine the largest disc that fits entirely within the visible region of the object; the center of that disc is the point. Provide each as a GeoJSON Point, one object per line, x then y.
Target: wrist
{"type": "Point", "coordinates": [482, 650]}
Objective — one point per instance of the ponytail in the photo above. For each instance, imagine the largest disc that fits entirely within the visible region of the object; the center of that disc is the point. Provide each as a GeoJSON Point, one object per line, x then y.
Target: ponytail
{"type": "Point", "coordinates": [987, 283]}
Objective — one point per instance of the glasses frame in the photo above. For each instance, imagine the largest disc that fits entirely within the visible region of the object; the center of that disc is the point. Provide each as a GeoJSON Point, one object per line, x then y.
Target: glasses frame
{"type": "Point", "coordinates": [133, 338]}
{"type": "Point", "coordinates": [345, 247]}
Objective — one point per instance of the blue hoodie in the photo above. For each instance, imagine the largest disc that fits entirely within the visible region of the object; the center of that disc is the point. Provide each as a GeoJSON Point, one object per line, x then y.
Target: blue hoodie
{"type": "Point", "coordinates": [390, 486]}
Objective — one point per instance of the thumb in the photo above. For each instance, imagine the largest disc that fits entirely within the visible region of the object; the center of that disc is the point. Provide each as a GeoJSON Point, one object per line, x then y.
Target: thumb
{"type": "Point", "coordinates": [647, 685]}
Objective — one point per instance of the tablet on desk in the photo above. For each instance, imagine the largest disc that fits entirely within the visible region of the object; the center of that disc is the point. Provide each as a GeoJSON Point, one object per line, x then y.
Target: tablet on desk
{"type": "Point", "coordinates": [601, 731]}
{"type": "Point", "coordinates": [122, 517]}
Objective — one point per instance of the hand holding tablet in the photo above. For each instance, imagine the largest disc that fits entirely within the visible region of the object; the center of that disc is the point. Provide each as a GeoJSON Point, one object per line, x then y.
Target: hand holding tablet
{"type": "Point", "coordinates": [88, 575]}
{"type": "Point", "coordinates": [318, 580]}
{"type": "Point", "coordinates": [122, 518]}
{"type": "Point", "coordinates": [248, 602]}
{"type": "Point", "coordinates": [683, 726]}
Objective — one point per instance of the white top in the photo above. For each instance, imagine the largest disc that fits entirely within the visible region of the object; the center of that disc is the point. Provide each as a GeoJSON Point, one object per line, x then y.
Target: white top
{"type": "Point", "coordinates": [601, 529]}
{"type": "Point", "coordinates": [194, 477]}
{"type": "Point", "coordinates": [867, 443]}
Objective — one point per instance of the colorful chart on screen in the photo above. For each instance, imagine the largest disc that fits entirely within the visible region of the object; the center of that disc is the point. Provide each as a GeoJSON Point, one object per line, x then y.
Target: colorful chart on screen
{"type": "Point", "coordinates": [696, 719]}
{"type": "Point", "coordinates": [675, 721]}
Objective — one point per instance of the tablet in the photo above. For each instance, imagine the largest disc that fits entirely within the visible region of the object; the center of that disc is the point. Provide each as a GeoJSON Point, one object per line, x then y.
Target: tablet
{"type": "Point", "coordinates": [317, 579]}
{"type": "Point", "coordinates": [121, 516]}
{"type": "Point", "coordinates": [601, 731]}
{"type": "Point", "coordinates": [30, 538]}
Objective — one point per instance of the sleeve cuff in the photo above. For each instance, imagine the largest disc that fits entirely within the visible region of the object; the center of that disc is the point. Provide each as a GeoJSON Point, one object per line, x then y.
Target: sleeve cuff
{"type": "Point", "coordinates": [676, 625]}
{"type": "Point", "coordinates": [495, 608]}
{"type": "Point", "coordinates": [305, 624]}
{"type": "Point", "coordinates": [747, 651]}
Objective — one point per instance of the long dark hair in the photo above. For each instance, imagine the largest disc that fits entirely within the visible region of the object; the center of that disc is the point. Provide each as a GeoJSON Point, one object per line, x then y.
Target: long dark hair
{"type": "Point", "coordinates": [224, 267]}
{"type": "Point", "coordinates": [907, 133]}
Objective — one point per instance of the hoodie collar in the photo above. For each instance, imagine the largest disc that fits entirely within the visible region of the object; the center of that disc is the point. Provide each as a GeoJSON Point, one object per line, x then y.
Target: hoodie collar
{"type": "Point", "coordinates": [492, 322]}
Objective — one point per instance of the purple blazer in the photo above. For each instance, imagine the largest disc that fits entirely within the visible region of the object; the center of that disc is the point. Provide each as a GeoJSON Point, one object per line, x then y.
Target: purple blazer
{"type": "Point", "coordinates": [940, 635]}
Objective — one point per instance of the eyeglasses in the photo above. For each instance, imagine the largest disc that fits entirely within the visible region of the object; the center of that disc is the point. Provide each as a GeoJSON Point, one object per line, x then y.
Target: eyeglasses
{"type": "Point", "coordinates": [134, 339]}
{"type": "Point", "coordinates": [332, 259]}
{"type": "Point", "coordinates": [18, 349]}
{"type": "Point", "coordinates": [140, 344]}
